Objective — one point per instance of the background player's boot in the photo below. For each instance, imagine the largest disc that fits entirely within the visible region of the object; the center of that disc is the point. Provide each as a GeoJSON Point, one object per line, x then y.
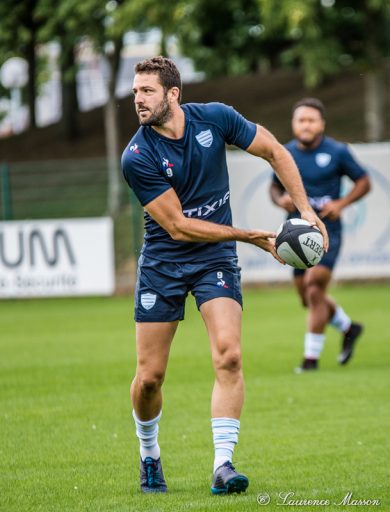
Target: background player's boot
{"type": "Point", "coordinates": [307, 365]}
{"type": "Point", "coordinates": [226, 480]}
{"type": "Point", "coordinates": [152, 476]}
{"type": "Point", "coordinates": [348, 344]}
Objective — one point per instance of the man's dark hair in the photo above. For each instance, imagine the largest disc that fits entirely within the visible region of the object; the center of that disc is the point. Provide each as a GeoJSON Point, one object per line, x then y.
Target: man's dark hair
{"type": "Point", "coordinates": [310, 102]}
{"type": "Point", "coordinates": [168, 73]}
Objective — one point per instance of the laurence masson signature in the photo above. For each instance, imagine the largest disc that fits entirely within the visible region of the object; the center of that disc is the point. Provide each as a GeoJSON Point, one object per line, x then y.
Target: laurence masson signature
{"type": "Point", "coordinates": [289, 499]}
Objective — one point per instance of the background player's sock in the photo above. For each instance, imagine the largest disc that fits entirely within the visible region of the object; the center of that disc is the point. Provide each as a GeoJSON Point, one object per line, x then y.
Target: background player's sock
{"type": "Point", "coordinates": [225, 436]}
{"type": "Point", "coordinates": [314, 344]}
{"type": "Point", "coordinates": [340, 320]}
{"type": "Point", "coordinates": [147, 432]}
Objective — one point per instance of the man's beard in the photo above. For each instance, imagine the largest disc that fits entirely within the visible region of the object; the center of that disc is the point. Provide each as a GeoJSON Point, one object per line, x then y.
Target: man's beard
{"type": "Point", "coordinates": [159, 116]}
{"type": "Point", "coordinates": [313, 141]}
{"type": "Point", "coordinates": [307, 142]}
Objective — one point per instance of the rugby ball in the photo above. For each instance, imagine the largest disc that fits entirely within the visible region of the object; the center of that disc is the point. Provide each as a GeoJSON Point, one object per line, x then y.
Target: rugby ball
{"type": "Point", "coordinates": [299, 244]}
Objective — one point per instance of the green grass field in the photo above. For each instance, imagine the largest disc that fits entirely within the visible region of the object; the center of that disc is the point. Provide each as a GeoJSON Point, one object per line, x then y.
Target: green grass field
{"type": "Point", "coordinates": [67, 436]}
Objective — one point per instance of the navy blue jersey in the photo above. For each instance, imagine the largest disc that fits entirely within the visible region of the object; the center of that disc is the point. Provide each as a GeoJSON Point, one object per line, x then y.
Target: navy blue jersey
{"type": "Point", "coordinates": [195, 167]}
{"type": "Point", "coordinates": [321, 170]}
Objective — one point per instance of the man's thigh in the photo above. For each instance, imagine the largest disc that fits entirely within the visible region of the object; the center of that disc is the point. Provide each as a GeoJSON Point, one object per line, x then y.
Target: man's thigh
{"type": "Point", "coordinates": [160, 291]}
{"type": "Point", "coordinates": [153, 341]}
{"type": "Point", "coordinates": [217, 279]}
{"type": "Point", "coordinates": [222, 317]}
{"type": "Point", "coordinates": [319, 276]}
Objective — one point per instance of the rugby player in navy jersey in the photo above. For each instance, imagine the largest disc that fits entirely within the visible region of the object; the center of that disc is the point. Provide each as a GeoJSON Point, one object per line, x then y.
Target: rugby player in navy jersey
{"type": "Point", "coordinates": [176, 165]}
{"type": "Point", "coordinates": [322, 163]}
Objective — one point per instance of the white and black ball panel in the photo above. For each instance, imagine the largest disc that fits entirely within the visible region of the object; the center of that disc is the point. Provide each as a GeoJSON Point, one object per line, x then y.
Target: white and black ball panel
{"type": "Point", "coordinates": [312, 245]}
{"type": "Point", "coordinates": [299, 244]}
{"type": "Point", "coordinates": [289, 256]}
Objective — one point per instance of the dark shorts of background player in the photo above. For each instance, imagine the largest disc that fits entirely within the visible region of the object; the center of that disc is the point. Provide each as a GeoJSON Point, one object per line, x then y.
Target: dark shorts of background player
{"type": "Point", "coordinates": [329, 259]}
{"type": "Point", "coordinates": [162, 287]}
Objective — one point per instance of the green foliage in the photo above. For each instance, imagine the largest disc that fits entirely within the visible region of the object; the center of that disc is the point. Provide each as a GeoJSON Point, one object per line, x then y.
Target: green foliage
{"type": "Point", "coordinates": [321, 37]}
{"type": "Point", "coordinates": [326, 37]}
{"type": "Point", "coordinates": [70, 20]}
{"type": "Point", "coordinates": [145, 14]}
{"type": "Point", "coordinates": [12, 32]}
{"type": "Point", "coordinates": [74, 20]}
{"type": "Point", "coordinates": [223, 37]}
{"type": "Point", "coordinates": [18, 22]}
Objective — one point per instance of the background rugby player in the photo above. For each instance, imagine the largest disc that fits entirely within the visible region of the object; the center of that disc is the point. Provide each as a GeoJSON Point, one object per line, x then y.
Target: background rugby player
{"type": "Point", "coordinates": [322, 162]}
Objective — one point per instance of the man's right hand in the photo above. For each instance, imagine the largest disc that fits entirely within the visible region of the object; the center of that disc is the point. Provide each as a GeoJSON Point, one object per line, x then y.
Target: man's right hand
{"type": "Point", "coordinates": [286, 203]}
{"type": "Point", "coordinates": [266, 240]}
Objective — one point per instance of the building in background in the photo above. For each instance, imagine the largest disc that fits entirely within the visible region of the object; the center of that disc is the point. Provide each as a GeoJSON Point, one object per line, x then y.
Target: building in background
{"type": "Point", "coordinates": [92, 77]}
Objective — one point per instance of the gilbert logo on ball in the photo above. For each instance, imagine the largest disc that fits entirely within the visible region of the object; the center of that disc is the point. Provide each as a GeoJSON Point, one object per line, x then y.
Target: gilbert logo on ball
{"type": "Point", "coordinates": [299, 244]}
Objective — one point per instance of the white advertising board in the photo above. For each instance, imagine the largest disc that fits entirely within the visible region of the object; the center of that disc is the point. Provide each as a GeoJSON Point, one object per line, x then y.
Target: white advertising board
{"type": "Point", "coordinates": [366, 246]}
{"type": "Point", "coordinates": [64, 257]}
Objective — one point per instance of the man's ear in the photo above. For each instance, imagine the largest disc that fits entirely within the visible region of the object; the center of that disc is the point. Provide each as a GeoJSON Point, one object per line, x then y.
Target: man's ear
{"type": "Point", "coordinates": [174, 94]}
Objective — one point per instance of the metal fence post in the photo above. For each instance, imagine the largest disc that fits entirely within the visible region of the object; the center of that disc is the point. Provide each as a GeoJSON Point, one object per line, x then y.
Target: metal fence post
{"type": "Point", "coordinates": [6, 198]}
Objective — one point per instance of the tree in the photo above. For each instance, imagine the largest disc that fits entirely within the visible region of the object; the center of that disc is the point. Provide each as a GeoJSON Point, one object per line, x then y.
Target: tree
{"type": "Point", "coordinates": [328, 36]}
{"type": "Point", "coordinates": [221, 36]}
{"type": "Point", "coordinates": [18, 36]}
{"type": "Point", "coordinates": [112, 41]}
{"type": "Point", "coordinates": [104, 25]}
{"type": "Point", "coordinates": [66, 22]}
{"type": "Point", "coordinates": [70, 21]}
{"type": "Point", "coordinates": [145, 14]}
{"type": "Point", "coordinates": [376, 48]}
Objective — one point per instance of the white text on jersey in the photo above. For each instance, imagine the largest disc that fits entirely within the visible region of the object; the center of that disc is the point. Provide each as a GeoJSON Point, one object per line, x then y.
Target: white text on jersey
{"type": "Point", "coordinates": [206, 209]}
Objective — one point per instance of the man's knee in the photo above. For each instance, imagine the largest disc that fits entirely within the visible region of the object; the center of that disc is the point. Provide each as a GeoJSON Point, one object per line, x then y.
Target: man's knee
{"type": "Point", "coordinates": [150, 383]}
{"type": "Point", "coordinates": [315, 283]}
{"type": "Point", "coordinates": [228, 359]}
{"type": "Point", "coordinates": [314, 293]}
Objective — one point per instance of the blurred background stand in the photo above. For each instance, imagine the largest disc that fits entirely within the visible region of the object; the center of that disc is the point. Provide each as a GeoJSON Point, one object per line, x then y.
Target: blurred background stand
{"type": "Point", "coordinates": [14, 76]}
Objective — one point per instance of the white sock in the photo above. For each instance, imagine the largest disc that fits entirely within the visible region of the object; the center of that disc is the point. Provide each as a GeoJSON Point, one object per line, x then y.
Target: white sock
{"type": "Point", "coordinates": [225, 436]}
{"type": "Point", "coordinates": [147, 432]}
{"type": "Point", "coordinates": [314, 344]}
{"type": "Point", "coordinates": [340, 320]}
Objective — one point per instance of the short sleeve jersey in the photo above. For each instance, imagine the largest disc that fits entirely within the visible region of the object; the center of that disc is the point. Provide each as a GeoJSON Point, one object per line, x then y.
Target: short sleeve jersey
{"type": "Point", "coordinates": [322, 169]}
{"type": "Point", "coordinates": [195, 167]}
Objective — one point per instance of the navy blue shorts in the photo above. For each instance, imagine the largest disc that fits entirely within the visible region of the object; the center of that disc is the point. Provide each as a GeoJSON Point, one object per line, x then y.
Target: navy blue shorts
{"type": "Point", "coordinates": [162, 287]}
{"type": "Point", "coordinates": [329, 259]}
